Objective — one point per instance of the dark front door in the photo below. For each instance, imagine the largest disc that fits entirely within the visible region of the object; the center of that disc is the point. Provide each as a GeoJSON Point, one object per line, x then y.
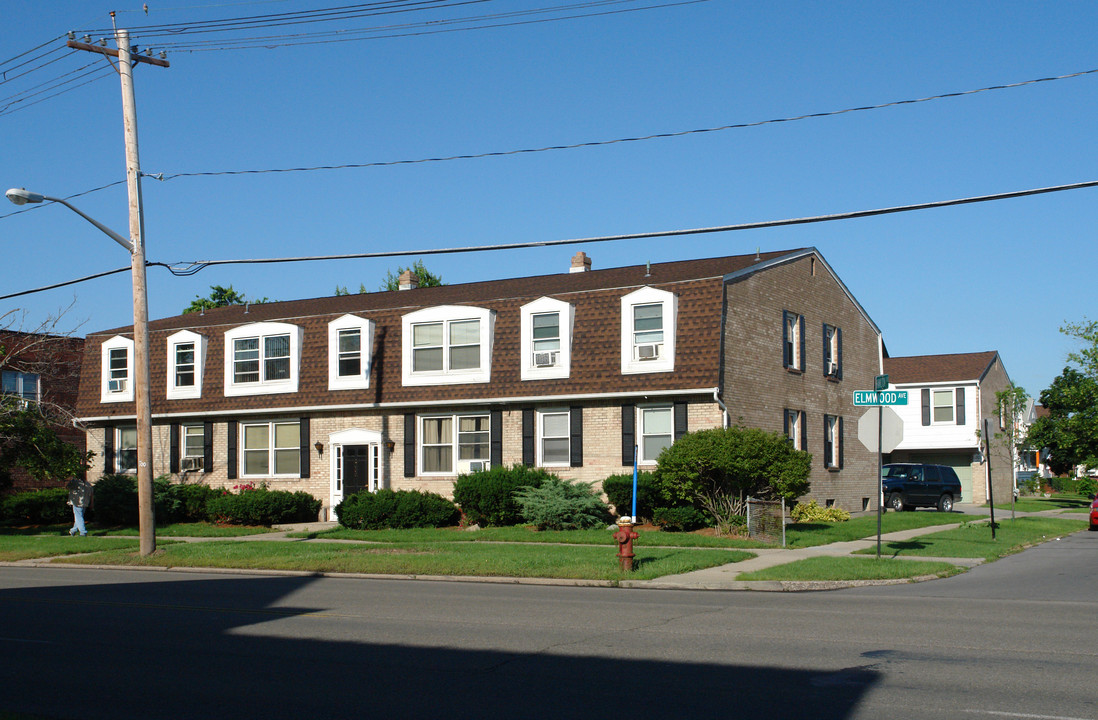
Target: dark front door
{"type": "Point", "coordinates": [356, 469]}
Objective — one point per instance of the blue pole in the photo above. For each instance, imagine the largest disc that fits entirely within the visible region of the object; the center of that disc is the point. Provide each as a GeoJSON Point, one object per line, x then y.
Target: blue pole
{"type": "Point", "coordinates": [635, 448]}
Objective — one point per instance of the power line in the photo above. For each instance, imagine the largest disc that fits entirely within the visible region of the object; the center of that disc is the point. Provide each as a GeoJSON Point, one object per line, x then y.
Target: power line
{"type": "Point", "coordinates": [599, 143]}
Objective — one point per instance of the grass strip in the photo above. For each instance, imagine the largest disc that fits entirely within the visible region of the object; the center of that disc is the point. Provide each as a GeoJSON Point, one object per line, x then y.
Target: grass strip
{"type": "Point", "coordinates": [198, 529]}
{"type": "Point", "coordinates": [852, 568]}
{"type": "Point", "coordinates": [973, 540]}
{"type": "Point", "coordinates": [523, 534]}
{"type": "Point", "coordinates": [1078, 503]}
{"type": "Point", "coordinates": [28, 547]}
{"type": "Point", "coordinates": [479, 559]}
{"type": "Point", "coordinates": [801, 535]}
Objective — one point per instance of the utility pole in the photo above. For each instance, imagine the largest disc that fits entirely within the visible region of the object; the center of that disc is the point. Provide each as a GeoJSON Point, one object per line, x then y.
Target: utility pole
{"type": "Point", "coordinates": [142, 390]}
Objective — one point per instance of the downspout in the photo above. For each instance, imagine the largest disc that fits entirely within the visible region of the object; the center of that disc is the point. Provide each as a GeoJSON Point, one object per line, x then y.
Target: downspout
{"type": "Point", "coordinates": [721, 405]}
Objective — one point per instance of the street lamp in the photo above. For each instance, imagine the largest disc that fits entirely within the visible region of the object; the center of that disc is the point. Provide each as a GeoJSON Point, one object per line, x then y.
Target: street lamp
{"type": "Point", "coordinates": [146, 521]}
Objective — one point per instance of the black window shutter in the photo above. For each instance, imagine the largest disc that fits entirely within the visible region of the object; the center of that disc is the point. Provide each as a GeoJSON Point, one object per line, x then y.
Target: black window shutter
{"type": "Point", "coordinates": [628, 433]}
{"type": "Point", "coordinates": [680, 419]}
{"type": "Point", "coordinates": [528, 437]}
{"type": "Point", "coordinates": [305, 456]}
{"type": "Point", "coordinates": [207, 446]}
{"type": "Point", "coordinates": [495, 443]}
{"type": "Point", "coordinates": [575, 440]}
{"type": "Point", "coordinates": [173, 445]}
{"type": "Point", "coordinates": [801, 360]}
{"type": "Point", "coordinates": [409, 444]}
{"type": "Point", "coordinates": [827, 445]}
{"type": "Point", "coordinates": [839, 353]}
{"type": "Point", "coordinates": [960, 406]}
{"type": "Point", "coordinates": [108, 450]}
{"type": "Point", "coordinates": [926, 406]}
{"type": "Point", "coordinates": [804, 430]}
{"type": "Point", "coordinates": [785, 422]}
{"type": "Point", "coordinates": [840, 441]}
{"type": "Point", "coordinates": [230, 449]}
{"type": "Point", "coordinates": [786, 359]}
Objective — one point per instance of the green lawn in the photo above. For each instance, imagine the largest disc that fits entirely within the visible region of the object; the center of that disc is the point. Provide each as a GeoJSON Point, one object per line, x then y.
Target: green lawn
{"type": "Point", "coordinates": [523, 534]}
{"type": "Point", "coordinates": [1062, 501]}
{"type": "Point", "coordinates": [427, 558]}
{"type": "Point", "coordinates": [26, 547]}
{"type": "Point", "coordinates": [811, 534]}
{"type": "Point", "coordinates": [852, 568]}
{"type": "Point", "coordinates": [973, 540]}
{"type": "Point", "coordinates": [200, 529]}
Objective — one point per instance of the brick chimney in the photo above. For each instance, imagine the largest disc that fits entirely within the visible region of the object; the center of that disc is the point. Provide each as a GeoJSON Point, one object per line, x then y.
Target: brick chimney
{"type": "Point", "coordinates": [580, 263]}
{"type": "Point", "coordinates": [408, 280]}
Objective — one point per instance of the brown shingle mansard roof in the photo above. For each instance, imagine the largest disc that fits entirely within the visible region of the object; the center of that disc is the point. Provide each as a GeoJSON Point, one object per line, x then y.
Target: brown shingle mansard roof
{"type": "Point", "coordinates": [939, 368]}
{"type": "Point", "coordinates": [596, 363]}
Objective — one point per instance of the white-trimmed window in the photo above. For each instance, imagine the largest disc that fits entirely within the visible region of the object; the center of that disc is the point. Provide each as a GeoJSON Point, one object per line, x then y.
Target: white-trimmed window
{"type": "Point", "coordinates": [648, 319]}
{"type": "Point", "coordinates": [350, 339]}
{"type": "Point", "coordinates": [262, 358]}
{"type": "Point", "coordinates": [22, 385]}
{"type": "Point", "coordinates": [191, 447]}
{"type": "Point", "coordinates": [271, 449]}
{"type": "Point", "coordinates": [794, 428]}
{"type": "Point", "coordinates": [656, 431]}
{"type": "Point", "coordinates": [833, 441]}
{"type": "Point", "coordinates": [554, 438]}
{"type": "Point", "coordinates": [792, 341]}
{"type": "Point", "coordinates": [941, 406]}
{"type": "Point", "coordinates": [447, 345]}
{"type": "Point", "coordinates": [125, 450]}
{"type": "Point", "coordinates": [117, 374]}
{"type": "Point", "coordinates": [833, 352]}
{"type": "Point", "coordinates": [453, 444]}
{"type": "Point", "coordinates": [546, 345]}
{"type": "Point", "coordinates": [186, 360]}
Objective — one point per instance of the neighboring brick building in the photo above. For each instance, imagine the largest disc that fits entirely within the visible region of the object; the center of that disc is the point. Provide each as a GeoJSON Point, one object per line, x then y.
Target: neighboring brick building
{"type": "Point", "coordinates": [43, 369]}
{"type": "Point", "coordinates": [407, 389]}
{"type": "Point", "coordinates": [950, 397]}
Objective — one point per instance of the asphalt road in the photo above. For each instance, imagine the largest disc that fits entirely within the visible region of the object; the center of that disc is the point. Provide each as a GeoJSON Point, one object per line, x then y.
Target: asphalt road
{"type": "Point", "coordinates": [1013, 639]}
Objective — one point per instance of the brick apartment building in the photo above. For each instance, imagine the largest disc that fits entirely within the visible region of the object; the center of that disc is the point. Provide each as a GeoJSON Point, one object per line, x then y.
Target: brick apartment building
{"type": "Point", "coordinates": [567, 371]}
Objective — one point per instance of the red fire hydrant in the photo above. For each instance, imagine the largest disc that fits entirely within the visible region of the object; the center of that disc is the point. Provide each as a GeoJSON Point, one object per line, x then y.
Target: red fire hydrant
{"type": "Point", "coordinates": [625, 537]}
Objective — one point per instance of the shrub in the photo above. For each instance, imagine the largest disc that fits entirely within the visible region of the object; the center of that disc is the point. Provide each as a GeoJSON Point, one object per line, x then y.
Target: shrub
{"type": "Point", "coordinates": [191, 502]}
{"type": "Point", "coordinates": [812, 512]}
{"type": "Point", "coordinates": [115, 500]}
{"type": "Point", "coordinates": [38, 507]}
{"type": "Point", "coordinates": [260, 506]}
{"type": "Point", "coordinates": [561, 505]}
{"type": "Point", "coordinates": [396, 509]}
{"type": "Point", "coordinates": [1086, 486]}
{"type": "Point", "coordinates": [619, 491]}
{"type": "Point", "coordinates": [487, 498]}
{"type": "Point", "coordinates": [680, 519]}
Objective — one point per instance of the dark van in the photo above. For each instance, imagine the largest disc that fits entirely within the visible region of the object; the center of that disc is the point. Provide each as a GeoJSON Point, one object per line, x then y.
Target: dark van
{"type": "Point", "coordinates": [911, 485]}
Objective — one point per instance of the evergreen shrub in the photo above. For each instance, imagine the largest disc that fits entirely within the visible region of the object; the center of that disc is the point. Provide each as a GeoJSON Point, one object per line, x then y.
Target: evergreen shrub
{"type": "Point", "coordinates": [680, 519]}
{"type": "Point", "coordinates": [396, 509]}
{"type": "Point", "coordinates": [259, 506]}
{"type": "Point", "coordinates": [560, 505]}
{"type": "Point", "coordinates": [619, 492]}
{"type": "Point", "coordinates": [37, 507]}
{"type": "Point", "coordinates": [115, 500]}
{"type": "Point", "coordinates": [487, 498]}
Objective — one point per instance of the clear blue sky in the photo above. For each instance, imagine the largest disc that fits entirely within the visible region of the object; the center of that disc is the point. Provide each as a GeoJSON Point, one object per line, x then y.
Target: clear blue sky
{"type": "Point", "coordinates": [994, 276]}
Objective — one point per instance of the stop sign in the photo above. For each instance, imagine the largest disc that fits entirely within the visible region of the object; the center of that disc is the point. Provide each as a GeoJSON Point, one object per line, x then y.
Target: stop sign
{"type": "Point", "coordinates": [892, 429]}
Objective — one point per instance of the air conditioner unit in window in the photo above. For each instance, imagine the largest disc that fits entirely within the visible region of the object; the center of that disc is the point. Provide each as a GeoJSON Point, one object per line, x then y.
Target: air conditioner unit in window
{"type": "Point", "coordinates": [648, 351]}
{"type": "Point", "coordinates": [479, 465]}
{"type": "Point", "coordinates": [117, 385]}
{"type": "Point", "coordinates": [191, 463]}
{"type": "Point", "coordinates": [547, 358]}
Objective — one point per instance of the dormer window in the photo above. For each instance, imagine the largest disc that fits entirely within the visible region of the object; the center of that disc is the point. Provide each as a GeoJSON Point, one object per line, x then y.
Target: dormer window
{"type": "Point", "coordinates": [117, 370]}
{"type": "Point", "coordinates": [262, 358]}
{"type": "Point", "coordinates": [546, 346]}
{"type": "Point", "coordinates": [648, 331]}
{"type": "Point", "coordinates": [350, 340]}
{"type": "Point", "coordinates": [447, 345]}
{"type": "Point", "coordinates": [186, 360]}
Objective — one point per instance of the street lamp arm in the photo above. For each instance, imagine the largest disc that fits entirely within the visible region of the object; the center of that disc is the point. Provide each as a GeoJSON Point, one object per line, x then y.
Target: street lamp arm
{"type": "Point", "coordinates": [21, 197]}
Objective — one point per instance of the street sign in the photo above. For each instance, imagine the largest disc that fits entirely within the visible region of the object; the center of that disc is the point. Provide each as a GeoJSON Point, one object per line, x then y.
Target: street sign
{"type": "Point", "coordinates": [892, 429]}
{"type": "Point", "coordinates": [888, 397]}
{"type": "Point", "coordinates": [880, 382]}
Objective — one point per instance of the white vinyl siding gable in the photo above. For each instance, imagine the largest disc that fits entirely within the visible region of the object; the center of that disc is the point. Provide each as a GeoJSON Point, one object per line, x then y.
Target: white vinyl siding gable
{"type": "Point", "coordinates": [117, 370]}
{"type": "Point", "coordinates": [262, 359]}
{"type": "Point", "coordinates": [350, 346]}
{"type": "Point", "coordinates": [447, 345]}
{"type": "Point", "coordinates": [648, 331]}
{"type": "Point", "coordinates": [186, 362]}
{"type": "Point", "coordinates": [546, 342]}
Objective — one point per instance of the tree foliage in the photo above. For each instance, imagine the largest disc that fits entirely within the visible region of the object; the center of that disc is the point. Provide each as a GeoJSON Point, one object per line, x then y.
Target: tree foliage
{"type": "Point", "coordinates": [1070, 430]}
{"type": "Point", "coordinates": [1012, 403]}
{"type": "Point", "coordinates": [718, 469]}
{"type": "Point", "coordinates": [425, 276]}
{"type": "Point", "coordinates": [220, 297]}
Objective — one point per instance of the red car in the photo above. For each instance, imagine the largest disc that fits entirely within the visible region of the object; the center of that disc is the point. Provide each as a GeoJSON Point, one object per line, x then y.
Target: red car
{"type": "Point", "coordinates": [1094, 514]}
